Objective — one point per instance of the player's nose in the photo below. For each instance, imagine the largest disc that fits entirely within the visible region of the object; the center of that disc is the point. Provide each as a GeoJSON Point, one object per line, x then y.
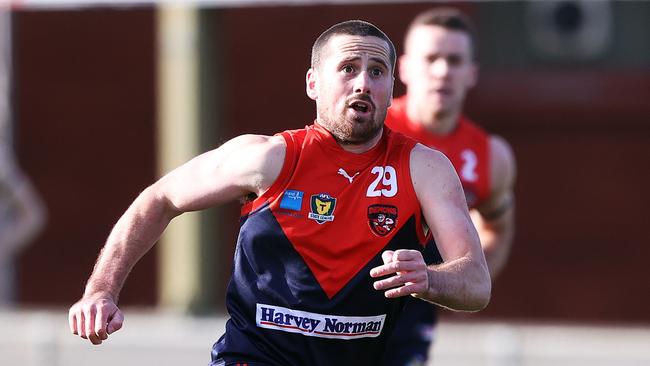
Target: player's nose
{"type": "Point", "coordinates": [362, 83]}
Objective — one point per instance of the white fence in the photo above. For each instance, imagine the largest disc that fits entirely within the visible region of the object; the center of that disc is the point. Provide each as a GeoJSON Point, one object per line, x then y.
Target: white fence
{"type": "Point", "coordinates": [515, 344]}
{"type": "Point", "coordinates": [30, 338]}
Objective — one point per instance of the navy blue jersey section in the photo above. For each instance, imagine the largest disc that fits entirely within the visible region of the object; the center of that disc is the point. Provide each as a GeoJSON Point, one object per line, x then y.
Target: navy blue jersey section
{"type": "Point", "coordinates": [273, 292]}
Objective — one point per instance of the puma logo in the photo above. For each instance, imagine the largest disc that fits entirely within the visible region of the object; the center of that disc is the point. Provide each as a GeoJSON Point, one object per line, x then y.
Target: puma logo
{"type": "Point", "coordinates": [345, 174]}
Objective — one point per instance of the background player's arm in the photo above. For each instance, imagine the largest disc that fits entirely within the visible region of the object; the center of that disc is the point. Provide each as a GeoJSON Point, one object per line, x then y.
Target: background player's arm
{"type": "Point", "coordinates": [243, 165]}
{"type": "Point", "coordinates": [462, 282]}
{"type": "Point", "coordinates": [495, 219]}
{"type": "Point", "coordinates": [24, 211]}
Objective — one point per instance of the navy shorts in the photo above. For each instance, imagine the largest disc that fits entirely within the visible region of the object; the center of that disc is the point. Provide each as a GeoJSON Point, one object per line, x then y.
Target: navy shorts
{"type": "Point", "coordinates": [413, 335]}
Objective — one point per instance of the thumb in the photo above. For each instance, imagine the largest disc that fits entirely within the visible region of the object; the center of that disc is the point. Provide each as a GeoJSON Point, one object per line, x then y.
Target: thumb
{"type": "Point", "coordinates": [115, 322]}
{"type": "Point", "coordinates": [387, 256]}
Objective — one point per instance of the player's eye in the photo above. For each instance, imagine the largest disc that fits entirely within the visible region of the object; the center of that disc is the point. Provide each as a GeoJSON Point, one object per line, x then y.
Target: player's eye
{"type": "Point", "coordinates": [431, 58]}
{"type": "Point", "coordinates": [376, 71]}
{"type": "Point", "coordinates": [455, 60]}
{"type": "Point", "coordinates": [347, 69]}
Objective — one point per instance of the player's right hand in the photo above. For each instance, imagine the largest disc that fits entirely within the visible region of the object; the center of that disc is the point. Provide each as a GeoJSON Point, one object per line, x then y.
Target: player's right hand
{"type": "Point", "coordinates": [95, 318]}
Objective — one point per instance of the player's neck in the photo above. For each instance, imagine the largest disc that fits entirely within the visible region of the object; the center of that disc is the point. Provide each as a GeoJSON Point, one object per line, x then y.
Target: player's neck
{"type": "Point", "coordinates": [354, 147]}
{"type": "Point", "coordinates": [360, 148]}
{"type": "Point", "coordinates": [438, 123]}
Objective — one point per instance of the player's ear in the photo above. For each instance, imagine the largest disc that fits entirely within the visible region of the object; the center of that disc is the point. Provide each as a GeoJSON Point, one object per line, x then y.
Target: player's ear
{"type": "Point", "coordinates": [473, 76]}
{"type": "Point", "coordinates": [311, 80]}
{"type": "Point", "coordinates": [392, 90]}
{"type": "Point", "coordinates": [402, 65]}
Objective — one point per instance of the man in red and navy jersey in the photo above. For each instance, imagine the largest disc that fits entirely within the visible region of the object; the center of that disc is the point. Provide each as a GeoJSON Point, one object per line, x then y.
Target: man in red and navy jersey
{"type": "Point", "coordinates": [438, 68]}
{"type": "Point", "coordinates": [331, 238]}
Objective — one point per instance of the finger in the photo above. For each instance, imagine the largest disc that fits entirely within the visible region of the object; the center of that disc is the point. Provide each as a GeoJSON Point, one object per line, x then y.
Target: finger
{"type": "Point", "coordinates": [115, 322]}
{"type": "Point", "coordinates": [388, 283]}
{"type": "Point", "coordinates": [383, 270]}
{"type": "Point", "coordinates": [81, 318]}
{"type": "Point", "coordinates": [406, 290]}
{"type": "Point", "coordinates": [94, 339]}
{"type": "Point", "coordinates": [400, 279]}
{"type": "Point", "coordinates": [396, 267]}
{"type": "Point", "coordinates": [72, 320]}
{"type": "Point", "coordinates": [89, 321]}
{"type": "Point", "coordinates": [90, 325]}
{"type": "Point", "coordinates": [387, 256]}
{"type": "Point", "coordinates": [395, 292]}
{"type": "Point", "coordinates": [100, 323]}
{"type": "Point", "coordinates": [407, 255]}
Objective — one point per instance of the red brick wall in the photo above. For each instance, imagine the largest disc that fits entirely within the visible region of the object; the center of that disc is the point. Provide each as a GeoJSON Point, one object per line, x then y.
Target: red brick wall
{"type": "Point", "coordinates": [85, 118]}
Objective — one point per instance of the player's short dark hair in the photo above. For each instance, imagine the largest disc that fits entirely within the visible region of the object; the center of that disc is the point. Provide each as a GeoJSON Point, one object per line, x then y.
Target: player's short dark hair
{"type": "Point", "coordinates": [448, 18]}
{"type": "Point", "coordinates": [353, 28]}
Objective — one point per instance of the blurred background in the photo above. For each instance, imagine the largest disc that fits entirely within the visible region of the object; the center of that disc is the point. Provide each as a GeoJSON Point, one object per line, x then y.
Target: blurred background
{"type": "Point", "coordinates": [103, 97]}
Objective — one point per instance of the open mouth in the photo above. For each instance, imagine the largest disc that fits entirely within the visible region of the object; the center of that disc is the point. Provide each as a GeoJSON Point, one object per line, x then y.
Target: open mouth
{"type": "Point", "coordinates": [443, 91]}
{"type": "Point", "coordinates": [360, 106]}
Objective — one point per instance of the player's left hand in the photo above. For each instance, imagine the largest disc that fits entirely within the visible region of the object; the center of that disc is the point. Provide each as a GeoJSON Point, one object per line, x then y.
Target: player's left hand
{"type": "Point", "coordinates": [410, 273]}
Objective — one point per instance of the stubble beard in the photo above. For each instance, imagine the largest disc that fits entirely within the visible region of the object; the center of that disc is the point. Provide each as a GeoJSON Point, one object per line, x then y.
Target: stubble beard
{"type": "Point", "coordinates": [352, 130]}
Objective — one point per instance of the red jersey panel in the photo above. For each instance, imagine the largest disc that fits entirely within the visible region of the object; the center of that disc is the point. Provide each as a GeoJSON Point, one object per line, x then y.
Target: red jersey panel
{"type": "Point", "coordinates": [337, 208]}
{"type": "Point", "coordinates": [467, 147]}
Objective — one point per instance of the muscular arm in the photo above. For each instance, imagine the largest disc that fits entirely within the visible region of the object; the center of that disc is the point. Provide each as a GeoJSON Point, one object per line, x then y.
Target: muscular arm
{"type": "Point", "coordinates": [495, 219]}
{"type": "Point", "coordinates": [462, 282]}
{"type": "Point", "coordinates": [245, 164]}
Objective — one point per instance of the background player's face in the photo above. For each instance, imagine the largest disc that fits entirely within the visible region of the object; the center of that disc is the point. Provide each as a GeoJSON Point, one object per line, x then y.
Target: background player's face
{"type": "Point", "coordinates": [352, 87]}
{"type": "Point", "coordinates": [437, 68]}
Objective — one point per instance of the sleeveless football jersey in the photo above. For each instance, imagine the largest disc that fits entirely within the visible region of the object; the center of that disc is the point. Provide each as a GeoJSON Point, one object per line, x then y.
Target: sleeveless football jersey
{"type": "Point", "coordinates": [301, 292]}
{"type": "Point", "coordinates": [467, 147]}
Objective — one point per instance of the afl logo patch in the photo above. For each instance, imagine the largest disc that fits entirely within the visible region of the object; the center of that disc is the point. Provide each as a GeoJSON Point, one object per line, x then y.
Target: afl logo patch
{"type": "Point", "coordinates": [382, 219]}
{"type": "Point", "coordinates": [322, 208]}
{"type": "Point", "coordinates": [291, 200]}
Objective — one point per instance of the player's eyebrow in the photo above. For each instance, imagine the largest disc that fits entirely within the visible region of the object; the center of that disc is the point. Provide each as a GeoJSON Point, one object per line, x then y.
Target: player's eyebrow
{"type": "Point", "coordinates": [349, 59]}
{"type": "Point", "coordinates": [378, 60]}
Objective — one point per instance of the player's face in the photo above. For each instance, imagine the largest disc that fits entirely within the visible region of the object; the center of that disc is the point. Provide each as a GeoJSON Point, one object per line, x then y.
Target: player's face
{"type": "Point", "coordinates": [352, 87]}
{"type": "Point", "coordinates": [437, 68]}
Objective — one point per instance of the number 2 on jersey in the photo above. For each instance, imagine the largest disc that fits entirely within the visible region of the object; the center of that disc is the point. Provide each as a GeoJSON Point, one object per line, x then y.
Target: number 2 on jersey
{"type": "Point", "coordinates": [468, 171]}
{"type": "Point", "coordinates": [388, 179]}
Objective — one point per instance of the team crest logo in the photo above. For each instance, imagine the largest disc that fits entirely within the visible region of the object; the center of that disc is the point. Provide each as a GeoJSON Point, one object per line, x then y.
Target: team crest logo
{"type": "Point", "coordinates": [322, 208]}
{"type": "Point", "coordinates": [382, 219]}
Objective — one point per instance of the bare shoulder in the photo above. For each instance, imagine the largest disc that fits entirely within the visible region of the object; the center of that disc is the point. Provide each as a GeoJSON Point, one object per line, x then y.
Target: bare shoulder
{"type": "Point", "coordinates": [245, 164]}
{"type": "Point", "coordinates": [502, 161]}
{"type": "Point", "coordinates": [251, 148]}
{"type": "Point", "coordinates": [432, 173]}
{"type": "Point", "coordinates": [501, 150]}
{"type": "Point", "coordinates": [261, 142]}
{"type": "Point", "coordinates": [257, 158]}
{"type": "Point", "coordinates": [423, 157]}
